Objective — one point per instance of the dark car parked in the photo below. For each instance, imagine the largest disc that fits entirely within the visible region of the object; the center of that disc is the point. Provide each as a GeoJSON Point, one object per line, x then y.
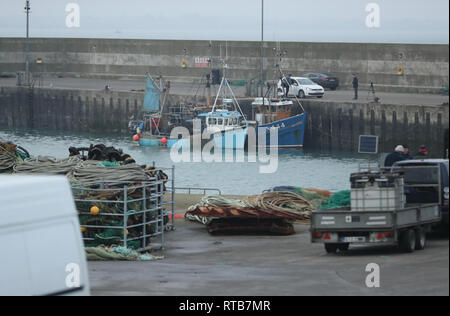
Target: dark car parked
{"type": "Point", "coordinates": [324, 80]}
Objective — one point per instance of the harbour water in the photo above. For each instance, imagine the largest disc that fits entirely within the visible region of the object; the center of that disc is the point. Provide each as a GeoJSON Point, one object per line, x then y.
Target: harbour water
{"type": "Point", "coordinates": [302, 168]}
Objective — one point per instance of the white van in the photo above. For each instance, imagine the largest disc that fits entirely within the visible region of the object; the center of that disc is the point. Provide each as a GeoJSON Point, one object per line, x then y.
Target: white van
{"type": "Point", "coordinates": [41, 248]}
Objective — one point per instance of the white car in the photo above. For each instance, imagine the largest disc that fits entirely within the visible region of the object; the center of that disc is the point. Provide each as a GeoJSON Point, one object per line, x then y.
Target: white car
{"type": "Point", "coordinates": [302, 88]}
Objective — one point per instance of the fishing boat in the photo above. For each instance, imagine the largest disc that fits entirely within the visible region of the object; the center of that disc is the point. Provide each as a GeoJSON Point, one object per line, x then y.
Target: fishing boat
{"type": "Point", "coordinates": [277, 114]}
{"type": "Point", "coordinates": [154, 102]}
{"type": "Point", "coordinates": [226, 122]}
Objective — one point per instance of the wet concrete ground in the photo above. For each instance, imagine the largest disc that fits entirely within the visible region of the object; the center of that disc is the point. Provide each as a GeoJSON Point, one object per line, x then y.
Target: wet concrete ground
{"type": "Point", "coordinates": [199, 264]}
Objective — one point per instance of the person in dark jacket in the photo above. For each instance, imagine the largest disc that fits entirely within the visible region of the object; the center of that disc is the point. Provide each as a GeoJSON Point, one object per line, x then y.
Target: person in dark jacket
{"type": "Point", "coordinates": [407, 153]}
{"type": "Point", "coordinates": [355, 84]}
{"type": "Point", "coordinates": [287, 84]}
{"type": "Point", "coordinates": [397, 155]}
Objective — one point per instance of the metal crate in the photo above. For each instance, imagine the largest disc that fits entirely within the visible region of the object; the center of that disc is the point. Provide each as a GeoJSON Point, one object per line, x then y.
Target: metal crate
{"type": "Point", "coordinates": [130, 215]}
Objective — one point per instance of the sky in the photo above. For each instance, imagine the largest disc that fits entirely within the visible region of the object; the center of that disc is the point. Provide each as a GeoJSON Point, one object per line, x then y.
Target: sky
{"type": "Point", "coordinates": [400, 21]}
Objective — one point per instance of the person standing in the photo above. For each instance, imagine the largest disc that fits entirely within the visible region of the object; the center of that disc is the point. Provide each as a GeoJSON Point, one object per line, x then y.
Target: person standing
{"type": "Point", "coordinates": [407, 153]}
{"type": "Point", "coordinates": [355, 84]}
{"type": "Point", "coordinates": [287, 84]}
{"type": "Point", "coordinates": [397, 155]}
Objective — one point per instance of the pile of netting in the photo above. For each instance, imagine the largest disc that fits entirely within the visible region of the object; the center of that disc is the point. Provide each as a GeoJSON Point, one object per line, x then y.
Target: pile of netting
{"type": "Point", "coordinates": [338, 200]}
{"type": "Point", "coordinates": [318, 198]}
{"type": "Point", "coordinates": [271, 212]}
{"type": "Point", "coordinates": [117, 253]}
{"type": "Point", "coordinates": [10, 156]}
{"type": "Point", "coordinates": [321, 199]}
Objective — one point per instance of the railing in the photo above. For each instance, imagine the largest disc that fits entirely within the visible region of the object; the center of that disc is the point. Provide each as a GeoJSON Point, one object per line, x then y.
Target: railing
{"type": "Point", "coordinates": [204, 190]}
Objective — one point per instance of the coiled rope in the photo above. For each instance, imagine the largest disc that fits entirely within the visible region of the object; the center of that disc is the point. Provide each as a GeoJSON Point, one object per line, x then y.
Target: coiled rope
{"type": "Point", "coordinates": [78, 170]}
{"type": "Point", "coordinates": [94, 171]}
{"type": "Point", "coordinates": [287, 202]}
{"type": "Point", "coordinates": [47, 165]}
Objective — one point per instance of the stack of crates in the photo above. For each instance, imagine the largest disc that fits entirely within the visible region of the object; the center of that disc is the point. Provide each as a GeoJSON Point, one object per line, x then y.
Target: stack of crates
{"type": "Point", "coordinates": [377, 192]}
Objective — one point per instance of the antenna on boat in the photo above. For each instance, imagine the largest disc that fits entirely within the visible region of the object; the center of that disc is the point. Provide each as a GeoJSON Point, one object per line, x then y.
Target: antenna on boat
{"type": "Point", "coordinates": [225, 85]}
{"type": "Point", "coordinates": [280, 55]}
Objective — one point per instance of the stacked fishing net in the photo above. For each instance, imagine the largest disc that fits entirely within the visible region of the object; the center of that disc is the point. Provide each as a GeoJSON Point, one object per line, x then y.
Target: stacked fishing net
{"type": "Point", "coordinates": [272, 212]}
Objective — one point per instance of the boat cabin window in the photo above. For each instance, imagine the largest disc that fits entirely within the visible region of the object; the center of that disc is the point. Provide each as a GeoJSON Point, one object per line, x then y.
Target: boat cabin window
{"type": "Point", "coordinates": [220, 121]}
{"type": "Point", "coordinates": [235, 121]}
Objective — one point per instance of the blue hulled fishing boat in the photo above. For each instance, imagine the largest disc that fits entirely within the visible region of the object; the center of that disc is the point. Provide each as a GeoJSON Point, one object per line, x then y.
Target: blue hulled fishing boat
{"type": "Point", "coordinates": [277, 114]}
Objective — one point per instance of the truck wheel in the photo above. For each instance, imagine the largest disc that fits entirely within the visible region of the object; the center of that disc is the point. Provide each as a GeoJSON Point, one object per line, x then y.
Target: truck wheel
{"type": "Point", "coordinates": [331, 248]}
{"type": "Point", "coordinates": [408, 241]}
{"type": "Point", "coordinates": [344, 247]}
{"type": "Point", "coordinates": [421, 239]}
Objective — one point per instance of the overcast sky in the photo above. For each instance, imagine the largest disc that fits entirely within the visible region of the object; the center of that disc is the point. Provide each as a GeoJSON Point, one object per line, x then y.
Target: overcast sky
{"type": "Point", "coordinates": [401, 21]}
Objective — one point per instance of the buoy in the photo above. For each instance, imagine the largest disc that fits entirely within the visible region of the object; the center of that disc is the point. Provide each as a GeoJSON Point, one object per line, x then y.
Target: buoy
{"type": "Point", "coordinates": [136, 137]}
{"type": "Point", "coordinates": [95, 210]}
{"type": "Point", "coordinates": [83, 229]}
{"type": "Point", "coordinates": [164, 140]}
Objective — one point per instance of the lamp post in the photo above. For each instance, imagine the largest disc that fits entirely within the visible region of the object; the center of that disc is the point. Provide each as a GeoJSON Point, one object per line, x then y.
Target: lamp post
{"type": "Point", "coordinates": [27, 44]}
{"type": "Point", "coordinates": [262, 47]}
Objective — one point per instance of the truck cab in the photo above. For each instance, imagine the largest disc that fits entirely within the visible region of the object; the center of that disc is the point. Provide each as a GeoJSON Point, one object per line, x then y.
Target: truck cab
{"type": "Point", "coordinates": [419, 172]}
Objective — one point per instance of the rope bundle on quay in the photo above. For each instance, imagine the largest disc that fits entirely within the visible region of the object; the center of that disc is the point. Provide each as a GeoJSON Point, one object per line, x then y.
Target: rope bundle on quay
{"type": "Point", "coordinates": [272, 212]}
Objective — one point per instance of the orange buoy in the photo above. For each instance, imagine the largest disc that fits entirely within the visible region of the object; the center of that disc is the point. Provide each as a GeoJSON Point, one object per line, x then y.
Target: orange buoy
{"type": "Point", "coordinates": [164, 140]}
{"type": "Point", "coordinates": [95, 210]}
{"type": "Point", "coordinates": [136, 137]}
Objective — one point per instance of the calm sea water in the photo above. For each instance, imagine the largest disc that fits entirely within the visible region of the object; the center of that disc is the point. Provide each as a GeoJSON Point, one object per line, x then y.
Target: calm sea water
{"type": "Point", "coordinates": [302, 168]}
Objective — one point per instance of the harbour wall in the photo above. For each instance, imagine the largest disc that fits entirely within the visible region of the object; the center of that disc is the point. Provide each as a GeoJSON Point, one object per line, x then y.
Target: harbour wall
{"type": "Point", "coordinates": [330, 125]}
{"type": "Point", "coordinates": [425, 67]}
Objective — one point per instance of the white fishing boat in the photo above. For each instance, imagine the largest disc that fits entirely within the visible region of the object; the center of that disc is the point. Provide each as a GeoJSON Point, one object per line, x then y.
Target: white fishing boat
{"type": "Point", "coordinates": [226, 122]}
